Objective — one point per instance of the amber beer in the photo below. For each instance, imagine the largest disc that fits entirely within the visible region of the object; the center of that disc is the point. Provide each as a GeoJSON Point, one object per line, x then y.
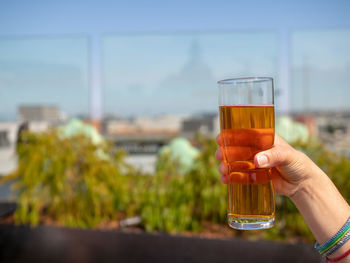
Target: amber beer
{"type": "Point", "coordinates": [247, 129]}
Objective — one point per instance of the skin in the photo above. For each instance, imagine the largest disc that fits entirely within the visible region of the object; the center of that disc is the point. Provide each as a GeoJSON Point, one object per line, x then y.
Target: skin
{"type": "Point", "coordinates": [296, 176]}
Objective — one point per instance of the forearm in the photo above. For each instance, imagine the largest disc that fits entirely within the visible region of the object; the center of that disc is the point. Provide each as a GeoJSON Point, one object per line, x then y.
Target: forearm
{"type": "Point", "coordinates": [322, 206]}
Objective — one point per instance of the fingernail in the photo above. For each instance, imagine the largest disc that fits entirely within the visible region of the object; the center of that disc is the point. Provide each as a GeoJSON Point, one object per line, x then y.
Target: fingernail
{"type": "Point", "coordinates": [262, 160]}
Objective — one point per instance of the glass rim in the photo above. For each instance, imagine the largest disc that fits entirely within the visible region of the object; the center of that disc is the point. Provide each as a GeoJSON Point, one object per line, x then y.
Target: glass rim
{"type": "Point", "coordinates": [244, 80]}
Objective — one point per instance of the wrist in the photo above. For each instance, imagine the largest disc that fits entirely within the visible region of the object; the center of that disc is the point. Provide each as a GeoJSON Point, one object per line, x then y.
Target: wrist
{"type": "Point", "coordinates": [321, 205]}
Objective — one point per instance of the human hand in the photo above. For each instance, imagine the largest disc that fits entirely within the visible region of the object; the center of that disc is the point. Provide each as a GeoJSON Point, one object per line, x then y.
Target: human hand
{"type": "Point", "coordinates": [290, 168]}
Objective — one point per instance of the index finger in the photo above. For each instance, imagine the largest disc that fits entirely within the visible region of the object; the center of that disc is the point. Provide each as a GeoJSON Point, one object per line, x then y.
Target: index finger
{"type": "Point", "coordinates": [218, 139]}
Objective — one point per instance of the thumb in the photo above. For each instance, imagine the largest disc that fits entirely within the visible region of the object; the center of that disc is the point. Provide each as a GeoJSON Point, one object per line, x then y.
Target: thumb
{"type": "Point", "coordinates": [276, 156]}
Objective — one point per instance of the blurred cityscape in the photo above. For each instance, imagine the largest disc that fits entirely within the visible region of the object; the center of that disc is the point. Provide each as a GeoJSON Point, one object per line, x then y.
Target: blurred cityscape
{"type": "Point", "coordinates": [142, 89]}
{"type": "Point", "coordinates": [142, 137]}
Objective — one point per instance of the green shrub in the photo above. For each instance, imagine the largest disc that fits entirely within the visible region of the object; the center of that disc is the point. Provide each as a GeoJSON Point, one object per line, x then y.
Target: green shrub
{"type": "Point", "coordinates": [71, 181]}
{"type": "Point", "coordinates": [76, 183]}
{"type": "Point", "coordinates": [178, 201]}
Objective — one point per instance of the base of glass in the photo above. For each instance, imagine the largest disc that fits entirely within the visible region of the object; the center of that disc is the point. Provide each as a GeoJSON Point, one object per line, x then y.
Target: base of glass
{"type": "Point", "coordinates": [250, 223]}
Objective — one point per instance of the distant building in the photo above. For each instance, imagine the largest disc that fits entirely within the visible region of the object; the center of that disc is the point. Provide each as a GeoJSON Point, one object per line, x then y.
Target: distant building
{"type": "Point", "coordinates": [118, 127]}
{"type": "Point", "coordinates": [142, 135]}
{"type": "Point", "coordinates": [8, 133]}
{"type": "Point", "coordinates": [331, 127]}
{"type": "Point", "coordinates": [165, 124]}
{"type": "Point", "coordinates": [206, 124]}
{"type": "Point", "coordinates": [4, 141]}
{"type": "Point", "coordinates": [8, 138]}
{"type": "Point", "coordinates": [39, 113]}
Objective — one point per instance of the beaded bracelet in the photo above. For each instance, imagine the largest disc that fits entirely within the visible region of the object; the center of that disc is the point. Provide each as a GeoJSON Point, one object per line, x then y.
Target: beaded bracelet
{"type": "Point", "coordinates": [324, 248]}
{"type": "Point", "coordinates": [338, 245]}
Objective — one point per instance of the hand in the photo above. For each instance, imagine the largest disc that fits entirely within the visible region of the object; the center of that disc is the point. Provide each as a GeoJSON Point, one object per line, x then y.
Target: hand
{"type": "Point", "coordinates": [290, 168]}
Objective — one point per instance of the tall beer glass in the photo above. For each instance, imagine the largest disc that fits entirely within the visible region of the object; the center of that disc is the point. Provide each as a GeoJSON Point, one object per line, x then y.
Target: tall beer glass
{"type": "Point", "coordinates": [247, 123]}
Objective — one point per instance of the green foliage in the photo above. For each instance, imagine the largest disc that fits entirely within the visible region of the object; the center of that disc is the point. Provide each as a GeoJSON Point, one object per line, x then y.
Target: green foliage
{"type": "Point", "coordinates": [76, 183]}
{"type": "Point", "coordinates": [178, 201]}
{"type": "Point", "coordinates": [288, 223]}
{"type": "Point", "coordinates": [335, 165]}
{"type": "Point", "coordinates": [67, 180]}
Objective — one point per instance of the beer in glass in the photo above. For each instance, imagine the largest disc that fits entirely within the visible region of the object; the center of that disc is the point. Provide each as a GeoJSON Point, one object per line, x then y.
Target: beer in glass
{"type": "Point", "coordinates": [247, 121]}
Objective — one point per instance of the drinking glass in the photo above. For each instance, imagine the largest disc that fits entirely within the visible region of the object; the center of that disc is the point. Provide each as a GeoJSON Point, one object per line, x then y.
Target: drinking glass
{"type": "Point", "coordinates": [247, 124]}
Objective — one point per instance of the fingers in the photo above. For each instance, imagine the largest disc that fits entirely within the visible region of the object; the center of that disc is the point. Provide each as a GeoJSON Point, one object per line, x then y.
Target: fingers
{"type": "Point", "coordinates": [279, 155]}
{"type": "Point", "coordinates": [218, 155]}
{"type": "Point", "coordinates": [218, 140]}
{"type": "Point", "coordinates": [223, 168]}
{"type": "Point", "coordinates": [223, 179]}
{"type": "Point", "coordinates": [257, 138]}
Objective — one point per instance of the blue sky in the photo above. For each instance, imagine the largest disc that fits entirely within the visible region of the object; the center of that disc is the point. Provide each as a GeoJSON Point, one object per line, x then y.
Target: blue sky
{"type": "Point", "coordinates": [36, 32]}
{"type": "Point", "coordinates": [61, 17]}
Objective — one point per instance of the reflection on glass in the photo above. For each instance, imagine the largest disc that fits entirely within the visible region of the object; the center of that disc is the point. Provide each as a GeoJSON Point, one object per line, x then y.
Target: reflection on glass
{"type": "Point", "coordinates": [50, 71]}
{"type": "Point", "coordinates": [320, 70]}
{"type": "Point", "coordinates": [178, 71]}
